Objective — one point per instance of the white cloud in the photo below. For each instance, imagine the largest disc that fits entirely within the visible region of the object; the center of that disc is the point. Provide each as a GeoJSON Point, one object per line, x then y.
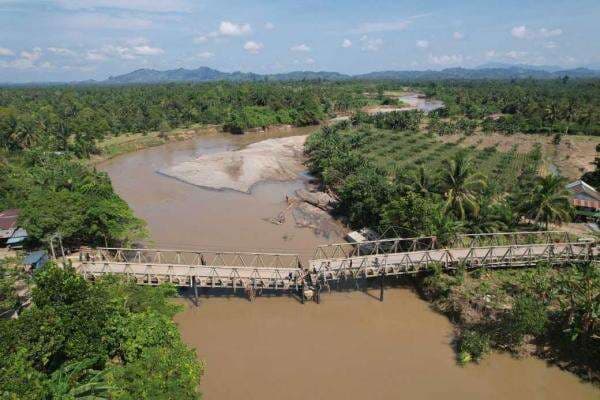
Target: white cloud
{"type": "Point", "coordinates": [371, 44]}
{"type": "Point", "coordinates": [269, 26]}
{"type": "Point", "coordinates": [550, 32]}
{"type": "Point", "coordinates": [309, 61]}
{"type": "Point", "coordinates": [90, 21]}
{"type": "Point", "coordinates": [300, 47]}
{"type": "Point", "coordinates": [32, 55]}
{"type": "Point", "coordinates": [206, 55]}
{"type": "Point", "coordinates": [147, 50]}
{"type": "Point", "coordinates": [95, 56]}
{"type": "Point", "coordinates": [26, 60]}
{"type": "Point", "coordinates": [131, 50]}
{"type": "Point", "coordinates": [61, 51]}
{"type": "Point", "coordinates": [201, 39]}
{"type": "Point", "coordinates": [490, 53]}
{"type": "Point", "coordinates": [372, 27]}
{"type": "Point", "coordinates": [253, 47]}
{"type": "Point", "coordinates": [387, 26]}
{"type": "Point", "coordinates": [522, 32]}
{"type": "Point", "coordinates": [515, 55]}
{"type": "Point", "coordinates": [446, 59]}
{"type": "Point", "coordinates": [137, 5]}
{"type": "Point", "coordinates": [519, 32]}
{"type": "Point", "coordinates": [4, 52]}
{"type": "Point", "coordinates": [228, 28]}
{"type": "Point", "coordinates": [550, 45]}
{"type": "Point", "coordinates": [422, 44]}
{"type": "Point", "coordinates": [458, 35]}
{"type": "Point", "coordinates": [346, 43]}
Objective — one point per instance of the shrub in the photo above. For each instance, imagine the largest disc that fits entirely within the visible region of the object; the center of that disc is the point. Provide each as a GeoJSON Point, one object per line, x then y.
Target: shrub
{"type": "Point", "coordinates": [472, 346]}
{"type": "Point", "coordinates": [527, 317]}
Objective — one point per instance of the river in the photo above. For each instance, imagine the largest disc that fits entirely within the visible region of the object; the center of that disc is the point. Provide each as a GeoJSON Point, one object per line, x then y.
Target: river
{"type": "Point", "coordinates": [351, 346]}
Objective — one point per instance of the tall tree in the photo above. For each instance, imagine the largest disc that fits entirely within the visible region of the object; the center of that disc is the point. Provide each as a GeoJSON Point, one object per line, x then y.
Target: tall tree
{"type": "Point", "coordinates": [460, 186]}
{"type": "Point", "coordinates": [548, 201]}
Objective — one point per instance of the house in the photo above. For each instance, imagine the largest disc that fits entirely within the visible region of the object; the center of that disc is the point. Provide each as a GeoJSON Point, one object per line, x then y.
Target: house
{"type": "Point", "coordinates": [36, 259]}
{"type": "Point", "coordinates": [17, 239]}
{"type": "Point", "coordinates": [585, 199]}
{"type": "Point", "coordinates": [8, 223]}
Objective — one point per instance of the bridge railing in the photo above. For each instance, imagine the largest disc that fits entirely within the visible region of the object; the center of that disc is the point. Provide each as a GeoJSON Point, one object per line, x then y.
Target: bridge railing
{"type": "Point", "coordinates": [510, 238]}
{"type": "Point", "coordinates": [486, 256]}
{"type": "Point", "coordinates": [373, 247]}
{"type": "Point", "coordinates": [193, 258]}
{"type": "Point", "coordinates": [399, 245]}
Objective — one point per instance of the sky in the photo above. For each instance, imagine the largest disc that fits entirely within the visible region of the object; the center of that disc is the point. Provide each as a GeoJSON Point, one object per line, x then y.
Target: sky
{"type": "Point", "coordinates": [68, 40]}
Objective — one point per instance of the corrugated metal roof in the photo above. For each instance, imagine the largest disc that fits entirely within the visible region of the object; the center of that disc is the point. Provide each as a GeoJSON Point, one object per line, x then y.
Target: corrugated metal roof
{"type": "Point", "coordinates": [8, 218]}
{"type": "Point", "coordinates": [34, 257]}
{"type": "Point", "coordinates": [18, 236]}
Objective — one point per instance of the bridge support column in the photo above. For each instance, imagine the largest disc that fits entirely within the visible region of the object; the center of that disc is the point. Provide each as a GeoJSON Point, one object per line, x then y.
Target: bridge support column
{"type": "Point", "coordinates": [381, 277]}
{"type": "Point", "coordinates": [318, 292]}
{"type": "Point", "coordinates": [195, 285]}
{"type": "Point", "coordinates": [302, 292]}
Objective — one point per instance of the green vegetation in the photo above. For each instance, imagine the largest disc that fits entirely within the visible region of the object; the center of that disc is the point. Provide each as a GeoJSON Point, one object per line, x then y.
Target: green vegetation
{"type": "Point", "coordinates": [60, 194]}
{"type": "Point", "coordinates": [414, 182]}
{"type": "Point", "coordinates": [527, 106]}
{"type": "Point", "coordinates": [554, 309]}
{"type": "Point", "coordinates": [385, 176]}
{"type": "Point", "coordinates": [106, 340]}
{"type": "Point", "coordinates": [74, 118]}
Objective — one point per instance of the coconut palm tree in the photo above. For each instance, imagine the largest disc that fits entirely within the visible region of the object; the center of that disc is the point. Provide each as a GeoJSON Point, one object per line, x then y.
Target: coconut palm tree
{"type": "Point", "coordinates": [460, 186]}
{"type": "Point", "coordinates": [422, 182]}
{"type": "Point", "coordinates": [548, 202]}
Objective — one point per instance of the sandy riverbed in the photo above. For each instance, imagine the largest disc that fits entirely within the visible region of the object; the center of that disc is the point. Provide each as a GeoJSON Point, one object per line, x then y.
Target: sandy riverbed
{"type": "Point", "coordinates": [269, 160]}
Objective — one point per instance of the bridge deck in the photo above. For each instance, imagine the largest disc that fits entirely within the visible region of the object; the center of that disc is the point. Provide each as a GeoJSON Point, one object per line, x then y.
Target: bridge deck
{"type": "Point", "coordinates": [370, 259]}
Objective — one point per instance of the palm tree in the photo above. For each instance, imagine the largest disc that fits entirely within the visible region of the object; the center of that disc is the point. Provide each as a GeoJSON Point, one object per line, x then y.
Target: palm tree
{"type": "Point", "coordinates": [460, 186]}
{"type": "Point", "coordinates": [422, 182]}
{"type": "Point", "coordinates": [548, 202]}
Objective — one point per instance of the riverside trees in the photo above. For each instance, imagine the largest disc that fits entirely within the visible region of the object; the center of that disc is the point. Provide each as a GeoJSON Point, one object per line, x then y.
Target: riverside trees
{"type": "Point", "coordinates": [107, 340]}
{"type": "Point", "coordinates": [67, 118]}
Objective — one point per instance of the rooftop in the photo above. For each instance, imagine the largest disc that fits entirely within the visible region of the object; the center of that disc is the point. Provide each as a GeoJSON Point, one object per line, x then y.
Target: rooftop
{"type": "Point", "coordinates": [8, 218]}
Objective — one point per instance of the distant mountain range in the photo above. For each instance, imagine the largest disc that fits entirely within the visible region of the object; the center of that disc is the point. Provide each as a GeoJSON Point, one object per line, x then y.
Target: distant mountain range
{"type": "Point", "coordinates": [487, 71]}
{"type": "Point", "coordinates": [206, 74]}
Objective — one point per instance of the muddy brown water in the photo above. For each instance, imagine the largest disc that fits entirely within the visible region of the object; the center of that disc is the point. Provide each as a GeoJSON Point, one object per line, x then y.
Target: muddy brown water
{"type": "Point", "coordinates": [351, 346]}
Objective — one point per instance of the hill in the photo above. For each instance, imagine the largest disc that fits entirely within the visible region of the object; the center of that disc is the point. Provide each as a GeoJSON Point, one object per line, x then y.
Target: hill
{"type": "Point", "coordinates": [206, 74]}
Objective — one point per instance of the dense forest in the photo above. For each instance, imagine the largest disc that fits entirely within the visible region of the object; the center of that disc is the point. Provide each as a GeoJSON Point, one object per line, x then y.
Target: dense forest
{"type": "Point", "coordinates": [73, 118]}
{"type": "Point", "coordinates": [555, 106]}
{"type": "Point", "coordinates": [104, 340]}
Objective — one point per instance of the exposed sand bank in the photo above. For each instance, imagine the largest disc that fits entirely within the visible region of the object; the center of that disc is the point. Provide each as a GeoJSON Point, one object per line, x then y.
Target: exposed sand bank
{"type": "Point", "coordinates": [270, 160]}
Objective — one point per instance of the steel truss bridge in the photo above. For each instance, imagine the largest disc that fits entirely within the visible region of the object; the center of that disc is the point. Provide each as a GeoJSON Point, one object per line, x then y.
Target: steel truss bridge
{"type": "Point", "coordinates": [330, 263]}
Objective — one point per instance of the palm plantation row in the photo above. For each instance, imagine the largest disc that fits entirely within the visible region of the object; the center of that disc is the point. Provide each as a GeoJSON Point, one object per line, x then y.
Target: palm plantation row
{"type": "Point", "coordinates": [379, 183]}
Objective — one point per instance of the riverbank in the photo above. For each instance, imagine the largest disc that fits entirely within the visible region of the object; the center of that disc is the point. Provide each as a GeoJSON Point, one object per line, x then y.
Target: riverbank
{"type": "Point", "coordinates": [128, 143]}
{"type": "Point", "coordinates": [546, 312]}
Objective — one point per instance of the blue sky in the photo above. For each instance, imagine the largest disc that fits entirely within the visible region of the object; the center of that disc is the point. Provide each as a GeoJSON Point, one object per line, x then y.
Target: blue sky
{"type": "Point", "coordinates": [49, 40]}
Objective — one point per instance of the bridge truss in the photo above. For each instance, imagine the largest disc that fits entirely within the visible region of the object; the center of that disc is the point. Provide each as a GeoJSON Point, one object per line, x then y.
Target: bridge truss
{"type": "Point", "coordinates": [380, 258]}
